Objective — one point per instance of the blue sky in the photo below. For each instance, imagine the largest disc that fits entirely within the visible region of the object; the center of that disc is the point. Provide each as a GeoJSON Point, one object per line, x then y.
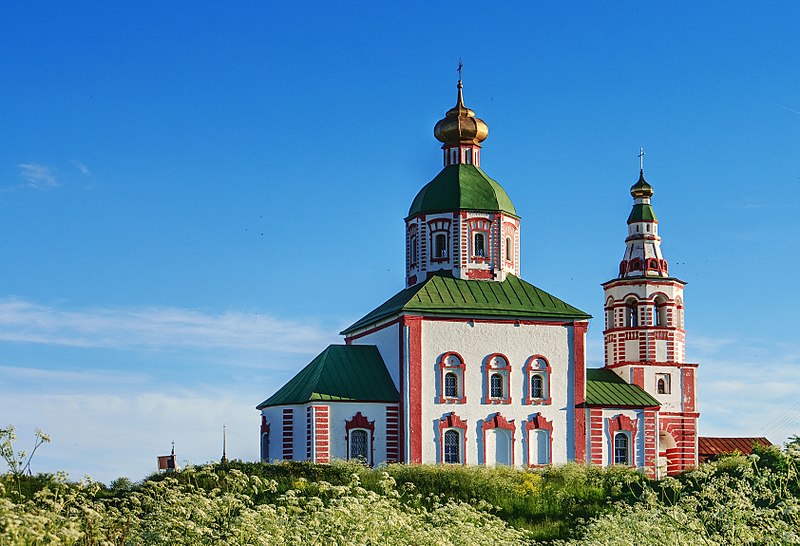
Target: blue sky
{"type": "Point", "coordinates": [194, 200]}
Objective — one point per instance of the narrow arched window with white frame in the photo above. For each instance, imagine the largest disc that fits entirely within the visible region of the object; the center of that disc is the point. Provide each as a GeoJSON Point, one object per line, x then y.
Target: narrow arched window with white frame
{"type": "Point", "coordinates": [497, 372]}
{"type": "Point", "coordinates": [663, 383]}
{"type": "Point", "coordinates": [440, 245]}
{"type": "Point", "coordinates": [359, 445]}
{"type": "Point", "coordinates": [450, 385]}
{"type": "Point", "coordinates": [265, 446]}
{"type": "Point", "coordinates": [537, 386]}
{"type": "Point", "coordinates": [622, 449]}
{"type": "Point", "coordinates": [537, 377]}
{"type": "Point", "coordinates": [452, 446]}
{"type": "Point", "coordinates": [496, 387]}
{"type": "Point", "coordinates": [479, 244]}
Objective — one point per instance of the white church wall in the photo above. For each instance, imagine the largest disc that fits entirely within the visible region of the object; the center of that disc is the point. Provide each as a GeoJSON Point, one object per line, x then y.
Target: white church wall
{"type": "Point", "coordinates": [669, 401]}
{"type": "Point", "coordinates": [517, 343]}
{"type": "Point", "coordinates": [387, 340]}
{"type": "Point", "coordinates": [276, 418]}
{"type": "Point", "coordinates": [341, 412]}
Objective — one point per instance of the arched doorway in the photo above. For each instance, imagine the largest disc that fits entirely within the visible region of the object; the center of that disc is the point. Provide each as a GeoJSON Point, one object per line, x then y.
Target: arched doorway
{"type": "Point", "coordinates": [667, 454]}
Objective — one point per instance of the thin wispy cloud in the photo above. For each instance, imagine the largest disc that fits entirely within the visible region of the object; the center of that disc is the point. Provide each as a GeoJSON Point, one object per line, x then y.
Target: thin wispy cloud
{"type": "Point", "coordinates": [111, 434]}
{"type": "Point", "coordinates": [83, 378]}
{"type": "Point", "coordinates": [789, 109]}
{"type": "Point", "coordinates": [746, 385]}
{"type": "Point", "coordinates": [156, 328]}
{"type": "Point", "coordinates": [84, 170]}
{"type": "Point", "coordinates": [37, 176]}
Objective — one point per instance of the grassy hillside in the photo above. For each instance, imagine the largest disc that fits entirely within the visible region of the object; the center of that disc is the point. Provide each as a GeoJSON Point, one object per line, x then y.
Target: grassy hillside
{"type": "Point", "coordinates": [741, 500]}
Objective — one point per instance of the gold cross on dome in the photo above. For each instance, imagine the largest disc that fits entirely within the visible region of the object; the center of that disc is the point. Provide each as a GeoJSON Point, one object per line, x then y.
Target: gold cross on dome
{"type": "Point", "coordinates": [641, 159]}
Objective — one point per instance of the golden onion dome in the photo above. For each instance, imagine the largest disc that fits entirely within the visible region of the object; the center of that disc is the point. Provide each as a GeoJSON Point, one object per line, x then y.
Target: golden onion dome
{"type": "Point", "coordinates": [641, 188]}
{"type": "Point", "coordinates": [460, 125]}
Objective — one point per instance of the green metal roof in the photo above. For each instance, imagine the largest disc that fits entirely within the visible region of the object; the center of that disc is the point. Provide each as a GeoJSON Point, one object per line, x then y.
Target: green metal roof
{"type": "Point", "coordinates": [642, 213]}
{"type": "Point", "coordinates": [351, 373]}
{"type": "Point", "coordinates": [443, 294]}
{"type": "Point", "coordinates": [605, 388]}
{"type": "Point", "coordinates": [460, 187]}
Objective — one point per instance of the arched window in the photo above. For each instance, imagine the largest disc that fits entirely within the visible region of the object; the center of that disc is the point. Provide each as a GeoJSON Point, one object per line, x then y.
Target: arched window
{"type": "Point", "coordinates": [450, 385]}
{"type": "Point", "coordinates": [537, 386]}
{"type": "Point", "coordinates": [359, 444]}
{"type": "Point", "coordinates": [468, 156]}
{"type": "Point", "coordinates": [496, 386]}
{"type": "Point", "coordinates": [479, 245]}
{"type": "Point", "coordinates": [622, 451]}
{"type": "Point", "coordinates": [413, 245]}
{"type": "Point", "coordinates": [662, 383]}
{"type": "Point", "coordinates": [452, 447]}
{"type": "Point", "coordinates": [509, 250]}
{"type": "Point", "coordinates": [496, 379]}
{"type": "Point", "coordinates": [440, 245]}
{"type": "Point", "coordinates": [265, 446]}
{"type": "Point", "coordinates": [451, 379]}
{"type": "Point", "coordinates": [631, 313]}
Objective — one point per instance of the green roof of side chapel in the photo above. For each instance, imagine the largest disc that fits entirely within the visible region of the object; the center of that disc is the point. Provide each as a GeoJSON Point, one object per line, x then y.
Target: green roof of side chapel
{"type": "Point", "coordinates": [442, 294]}
{"type": "Point", "coordinates": [607, 389]}
{"type": "Point", "coordinates": [461, 187]}
{"type": "Point", "coordinates": [347, 373]}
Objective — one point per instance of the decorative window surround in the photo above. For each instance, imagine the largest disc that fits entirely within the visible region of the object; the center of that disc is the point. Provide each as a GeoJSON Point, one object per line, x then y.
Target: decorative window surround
{"type": "Point", "coordinates": [452, 362]}
{"type": "Point", "coordinates": [359, 422]}
{"type": "Point", "coordinates": [498, 421]}
{"type": "Point", "coordinates": [453, 422]}
{"type": "Point", "coordinates": [497, 363]}
{"type": "Point", "coordinates": [439, 229]}
{"type": "Point", "coordinates": [482, 227]}
{"type": "Point", "coordinates": [537, 365]}
{"type": "Point", "coordinates": [539, 422]}
{"type": "Point", "coordinates": [621, 423]}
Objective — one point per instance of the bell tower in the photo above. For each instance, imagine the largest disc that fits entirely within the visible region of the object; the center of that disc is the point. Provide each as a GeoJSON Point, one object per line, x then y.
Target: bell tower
{"type": "Point", "coordinates": [645, 336]}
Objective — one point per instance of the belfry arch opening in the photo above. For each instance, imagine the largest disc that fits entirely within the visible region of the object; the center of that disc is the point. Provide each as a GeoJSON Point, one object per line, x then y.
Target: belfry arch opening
{"type": "Point", "coordinates": [631, 313]}
{"type": "Point", "coordinates": [660, 311]}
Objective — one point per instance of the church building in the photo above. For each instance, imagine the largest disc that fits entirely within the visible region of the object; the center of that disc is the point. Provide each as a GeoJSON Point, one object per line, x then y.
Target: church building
{"type": "Point", "coordinates": [471, 364]}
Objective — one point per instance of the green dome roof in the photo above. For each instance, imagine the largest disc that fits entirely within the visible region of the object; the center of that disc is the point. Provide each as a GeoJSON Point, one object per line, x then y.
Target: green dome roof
{"type": "Point", "coordinates": [460, 187]}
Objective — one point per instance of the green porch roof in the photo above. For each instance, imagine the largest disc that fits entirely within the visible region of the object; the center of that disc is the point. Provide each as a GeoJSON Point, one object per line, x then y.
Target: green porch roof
{"type": "Point", "coordinates": [350, 373]}
{"type": "Point", "coordinates": [461, 187]}
{"type": "Point", "coordinates": [605, 388]}
{"type": "Point", "coordinates": [444, 295]}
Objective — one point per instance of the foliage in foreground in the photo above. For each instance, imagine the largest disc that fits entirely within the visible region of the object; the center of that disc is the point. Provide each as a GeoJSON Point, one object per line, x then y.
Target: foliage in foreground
{"type": "Point", "coordinates": [740, 500]}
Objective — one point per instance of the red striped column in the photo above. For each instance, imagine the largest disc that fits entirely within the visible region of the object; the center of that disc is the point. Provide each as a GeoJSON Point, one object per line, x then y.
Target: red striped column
{"type": "Point", "coordinates": [392, 436]}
